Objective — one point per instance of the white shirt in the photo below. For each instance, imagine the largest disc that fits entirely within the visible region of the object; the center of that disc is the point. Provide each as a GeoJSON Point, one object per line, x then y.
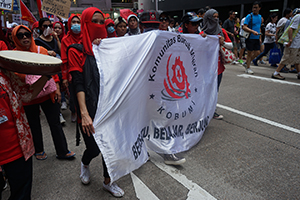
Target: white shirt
{"type": "Point", "coordinates": [242, 24]}
{"type": "Point", "coordinates": [281, 22]}
{"type": "Point", "coordinates": [296, 41]}
{"type": "Point", "coordinates": [271, 27]}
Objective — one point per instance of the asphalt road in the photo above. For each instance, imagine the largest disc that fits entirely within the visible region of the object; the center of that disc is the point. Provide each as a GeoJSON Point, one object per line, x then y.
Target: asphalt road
{"type": "Point", "coordinates": [253, 153]}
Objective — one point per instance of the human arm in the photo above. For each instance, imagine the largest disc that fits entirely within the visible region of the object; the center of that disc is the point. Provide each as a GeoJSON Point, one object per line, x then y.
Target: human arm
{"type": "Point", "coordinates": [246, 28]}
{"type": "Point", "coordinates": [226, 40]}
{"type": "Point", "coordinates": [226, 26]}
{"type": "Point", "coordinates": [54, 34]}
{"type": "Point", "coordinates": [86, 120]}
{"type": "Point", "coordinates": [38, 86]}
{"type": "Point", "coordinates": [290, 34]}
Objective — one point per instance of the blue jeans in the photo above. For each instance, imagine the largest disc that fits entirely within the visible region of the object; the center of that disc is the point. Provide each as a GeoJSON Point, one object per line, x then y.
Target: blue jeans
{"type": "Point", "coordinates": [268, 47]}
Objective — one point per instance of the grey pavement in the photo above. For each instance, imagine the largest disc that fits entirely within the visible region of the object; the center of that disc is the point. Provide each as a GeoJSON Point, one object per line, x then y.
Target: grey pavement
{"type": "Point", "coordinates": [237, 158]}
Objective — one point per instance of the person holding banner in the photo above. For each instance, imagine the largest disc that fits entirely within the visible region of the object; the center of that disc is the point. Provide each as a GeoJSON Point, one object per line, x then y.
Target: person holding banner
{"type": "Point", "coordinates": [85, 78]}
{"type": "Point", "coordinates": [211, 27]}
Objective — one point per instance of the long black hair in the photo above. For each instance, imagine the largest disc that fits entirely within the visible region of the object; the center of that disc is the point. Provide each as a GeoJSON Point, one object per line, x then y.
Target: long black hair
{"type": "Point", "coordinates": [271, 16]}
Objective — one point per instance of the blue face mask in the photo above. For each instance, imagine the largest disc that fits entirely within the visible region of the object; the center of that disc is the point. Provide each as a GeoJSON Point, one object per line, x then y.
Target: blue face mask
{"type": "Point", "coordinates": [110, 29]}
{"type": "Point", "coordinates": [76, 28]}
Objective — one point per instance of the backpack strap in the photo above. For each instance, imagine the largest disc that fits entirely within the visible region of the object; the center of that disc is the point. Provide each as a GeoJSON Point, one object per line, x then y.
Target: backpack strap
{"type": "Point", "coordinates": [79, 47]}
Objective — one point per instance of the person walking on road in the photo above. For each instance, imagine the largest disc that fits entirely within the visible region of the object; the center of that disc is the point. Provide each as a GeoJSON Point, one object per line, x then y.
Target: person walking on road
{"type": "Point", "coordinates": [291, 54]}
{"type": "Point", "coordinates": [83, 67]}
{"type": "Point", "coordinates": [16, 144]}
{"type": "Point", "coordinates": [229, 26]}
{"type": "Point", "coordinates": [48, 103]}
{"type": "Point", "coordinates": [269, 40]}
{"type": "Point", "coordinates": [252, 25]}
{"type": "Point", "coordinates": [211, 27]}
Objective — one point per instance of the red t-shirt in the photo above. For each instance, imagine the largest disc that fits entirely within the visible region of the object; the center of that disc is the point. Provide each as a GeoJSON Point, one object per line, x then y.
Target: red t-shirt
{"type": "Point", "coordinates": [3, 45]}
{"type": "Point", "coordinates": [10, 148]}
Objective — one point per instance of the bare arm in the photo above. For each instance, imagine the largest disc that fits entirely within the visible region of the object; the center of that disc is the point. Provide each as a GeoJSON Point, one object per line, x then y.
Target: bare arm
{"type": "Point", "coordinates": [87, 122]}
{"type": "Point", "coordinates": [246, 28]}
{"type": "Point", "coordinates": [38, 86]}
{"type": "Point", "coordinates": [290, 34]}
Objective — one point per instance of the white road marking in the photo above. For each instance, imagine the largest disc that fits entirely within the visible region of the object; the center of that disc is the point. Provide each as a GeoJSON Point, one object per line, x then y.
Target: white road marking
{"type": "Point", "coordinates": [195, 193]}
{"type": "Point", "coordinates": [141, 190]}
{"type": "Point", "coordinates": [260, 119]}
{"type": "Point", "coordinates": [268, 79]}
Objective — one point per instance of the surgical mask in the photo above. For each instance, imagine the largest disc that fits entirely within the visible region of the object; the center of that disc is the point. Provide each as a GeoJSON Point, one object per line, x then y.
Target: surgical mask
{"type": "Point", "coordinates": [35, 33]}
{"type": "Point", "coordinates": [47, 31]}
{"type": "Point", "coordinates": [110, 29]}
{"type": "Point", "coordinates": [76, 28]}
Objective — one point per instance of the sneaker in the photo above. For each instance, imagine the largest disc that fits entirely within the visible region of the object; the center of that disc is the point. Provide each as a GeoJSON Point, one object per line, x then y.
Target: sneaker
{"type": "Point", "coordinates": [85, 174]}
{"type": "Point", "coordinates": [217, 116]}
{"type": "Point", "coordinates": [249, 71]}
{"type": "Point", "coordinates": [5, 185]}
{"type": "Point", "coordinates": [240, 61]}
{"type": "Point", "coordinates": [61, 118]}
{"type": "Point", "coordinates": [262, 62]}
{"type": "Point", "coordinates": [73, 117]}
{"type": "Point", "coordinates": [278, 76]}
{"type": "Point", "coordinates": [293, 71]}
{"type": "Point", "coordinates": [234, 62]}
{"type": "Point", "coordinates": [114, 189]}
{"type": "Point", "coordinates": [284, 70]}
{"type": "Point", "coordinates": [64, 106]}
{"type": "Point", "coordinates": [173, 159]}
{"type": "Point", "coordinates": [255, 62]}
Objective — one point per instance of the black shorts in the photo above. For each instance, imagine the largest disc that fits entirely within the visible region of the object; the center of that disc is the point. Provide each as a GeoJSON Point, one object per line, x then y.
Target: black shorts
{"type": "Point", "coordinates": [252, 44]}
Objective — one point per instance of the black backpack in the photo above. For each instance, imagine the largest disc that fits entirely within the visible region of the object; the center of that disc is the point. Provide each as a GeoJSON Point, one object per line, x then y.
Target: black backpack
{"type": "Point", "coordinates": [91, 78]}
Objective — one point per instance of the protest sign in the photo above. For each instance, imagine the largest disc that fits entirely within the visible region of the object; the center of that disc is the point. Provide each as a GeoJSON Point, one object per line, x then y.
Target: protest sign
{"type": "Point", "coordinates": [6, 4]}
{"type": "Point", "coordinates": [59, 8]}
{"type": "Point", "coordinates": [157, 89]}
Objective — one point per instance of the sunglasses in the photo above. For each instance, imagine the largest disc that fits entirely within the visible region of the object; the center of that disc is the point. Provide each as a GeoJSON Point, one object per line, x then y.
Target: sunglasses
{"type": "Point", "coordinates": [46, 26]}
{"type": "Point", "coordinates": [21, 35]}
{"type": "Point", "coordinates": [163, 18]}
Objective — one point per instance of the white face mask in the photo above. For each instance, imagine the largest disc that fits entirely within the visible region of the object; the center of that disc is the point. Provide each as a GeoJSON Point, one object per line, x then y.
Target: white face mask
{"type": "Point", "coordinates": [35, 33]}
{"type": "Point", "coordinates": [47, 31]}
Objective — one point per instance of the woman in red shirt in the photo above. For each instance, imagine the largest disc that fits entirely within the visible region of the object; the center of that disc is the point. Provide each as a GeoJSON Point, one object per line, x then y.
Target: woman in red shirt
{"type": "Point", "coordinates": [16, 144]}
{"type": "Point", "coordinates": [48, 103]}
{"type": "Point", "coordinates": [73, 37]}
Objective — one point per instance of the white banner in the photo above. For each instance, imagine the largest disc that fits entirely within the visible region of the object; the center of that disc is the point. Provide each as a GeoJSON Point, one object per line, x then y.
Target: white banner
{"type": "Point", "coordinates": [157, 89]}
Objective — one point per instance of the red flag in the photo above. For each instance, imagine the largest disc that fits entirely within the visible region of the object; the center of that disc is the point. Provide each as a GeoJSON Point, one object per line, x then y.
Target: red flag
{"type": "Point", "coordinates": [125, 13]}
{"type": "Point", "coordinates": [26, 14]}
{"type": "Point", "coordinates": [39, 5]}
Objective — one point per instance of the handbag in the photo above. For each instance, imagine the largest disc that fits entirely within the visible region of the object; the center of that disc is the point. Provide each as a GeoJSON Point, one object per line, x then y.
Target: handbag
{"type": "Point", "coordinates": [285, 36]}
{"type": "Point", "coordinates": [48, 88]}
{"type": "Point", "coordinates": [275, 55]}
{"type": "Point", "coordinates": [244, 33]}
{"type": "Point", "coordinates": [227, 55]}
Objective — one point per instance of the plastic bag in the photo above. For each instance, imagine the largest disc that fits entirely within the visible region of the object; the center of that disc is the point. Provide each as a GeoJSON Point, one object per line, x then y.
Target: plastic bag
{"type": "Point", "coordinates": [275, 55]}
